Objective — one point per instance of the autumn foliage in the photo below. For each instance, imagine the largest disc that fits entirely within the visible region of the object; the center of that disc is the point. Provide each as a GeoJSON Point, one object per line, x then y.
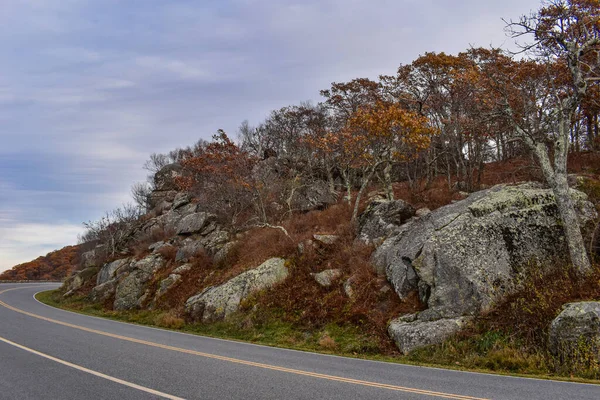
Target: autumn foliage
{"type": "Point", "coordinates": [53, 266]}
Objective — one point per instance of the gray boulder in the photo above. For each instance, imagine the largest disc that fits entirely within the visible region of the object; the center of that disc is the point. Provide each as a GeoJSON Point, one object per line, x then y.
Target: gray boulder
{"type": "Point", "coordinates": [464, 257]}
{"type": "Point", "coordinates": [326, 278]}
{"type": "Point", "coordinates": [88, 259]}
{"type": "Point", "coordinates": [410, 335]}
{"type": "Point", "coordinates": [575, 332]}
{"type": "Point", "coordinates": [196, 223]}
{"type": "Point", "coordinates": [382, 218]}
{"type": "Point", "coordinates": [131, 288]}
{"type": "Point", "coordinates": [217, 302]}
{"type": "Point", "coordinates": [313, 196]}
{"type": "Point", "coordinates": [104, 291]}
{"type": "Point", "coordinates": [166, 284]}
{"type": "Point", "coordinates": [78, 279]}
{"type": "Point", "coordinates": [182, 269]}
{"type": "Point", "coordinates": [165, 188]}
{"type": "Point", "coordinates": [110, 270]}
{"type": "Point", "coordinates": [190, 249]}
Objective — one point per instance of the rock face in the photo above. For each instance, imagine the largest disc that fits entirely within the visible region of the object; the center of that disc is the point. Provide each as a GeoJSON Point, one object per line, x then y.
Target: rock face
{"type": "Point", "coordinates": [465, 256]}
{"type": "Point", "coordinates": [218, 302]}
{"type": "Point", "coordinates": [164, 183]}
{"type": "Point", "coordinates": [382, 218]}
{"type": "Point", "coordinates": [575, 332]}
{"type": "Point", "coordinates": [77, 280]}
{"type": "Point", "coordinates": [110, 270]}
{"type": "Point", "coordinates": [195, 223]}
{"type": "Point", "coordinates": [410, 335]}
{"type": "Point", "coordinates": [131, 288]}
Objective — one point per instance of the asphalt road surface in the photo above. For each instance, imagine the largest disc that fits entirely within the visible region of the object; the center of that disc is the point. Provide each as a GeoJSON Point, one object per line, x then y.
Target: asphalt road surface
{"type": "Point", "coordinates": [46, 353]}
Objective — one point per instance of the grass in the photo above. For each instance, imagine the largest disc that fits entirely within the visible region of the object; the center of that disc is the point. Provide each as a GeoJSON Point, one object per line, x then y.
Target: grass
{"type": "Point", "coordinates": [489, 352]}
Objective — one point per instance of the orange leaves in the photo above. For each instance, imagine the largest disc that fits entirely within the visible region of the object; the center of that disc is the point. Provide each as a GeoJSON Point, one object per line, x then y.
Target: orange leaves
{"type": "Point", "coordinates": [391, 130]}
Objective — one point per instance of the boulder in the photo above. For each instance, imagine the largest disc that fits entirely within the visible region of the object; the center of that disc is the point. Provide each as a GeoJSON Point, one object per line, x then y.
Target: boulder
{"type": "Point", "coordinates": [190, 249]}
{"type": "Point", "coordinates": [165, 188]}
{"type": "Point", "coordinates": [166, 284]}
{"type": "Point", "coordinates": [327, 277]}
{"type": "Point", "coordinates": [217, 302]}
{"type": "Point", "coordinates": [313, 196]}
{"type": "Point", "coordinates": [422, 212]}
{"type": "Point", "coordinates": [215, 240]}
{"type": "Point", "coordinates": [88, 259]}
{"type": "Point", "coordinates": [103, 291]}
{"type": "Point", "coordinates": [78, 279]}
{"type": "Point", "coordinates": [410, 335]}
{"type": "Point", "coordinates": [382, 218]}
{"type": "Point", "coordinates": [224, 252]}
{"type": "Point", "coordinates": [196, 223]}
{"type": "Point", "coordinates": [110, 270]}
{"type": "Point", "coordinates": [131, 288]}
{"type": "Point", "coordinates": [575, 333]}
{"type": "Point", "coordinates": [464, 257]}
{"type": "Point", "coordinates": [180, 200]}
{"type": "Point", "coordinates": [349, 287]}
{"type": "Point", "coordinates": [182, 269]}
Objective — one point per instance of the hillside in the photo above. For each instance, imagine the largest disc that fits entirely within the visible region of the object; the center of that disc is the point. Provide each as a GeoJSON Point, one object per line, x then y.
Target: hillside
{"type": "Point", "coordinates": [55, 265]}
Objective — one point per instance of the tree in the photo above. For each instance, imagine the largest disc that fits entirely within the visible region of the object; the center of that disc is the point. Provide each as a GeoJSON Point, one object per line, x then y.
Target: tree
{"type": "Point", "coordinates": [383, 134]}
{"type": "Point", "coordinates": [566, 36]}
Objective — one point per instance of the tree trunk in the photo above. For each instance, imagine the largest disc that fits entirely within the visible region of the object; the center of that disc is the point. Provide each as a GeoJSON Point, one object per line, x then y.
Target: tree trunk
{"type": "Point", "coordinates": [557, 179]}
{"type": "Point", "coordinates": [366, 179]}
{"type": "Point", "coordinates": [387, 177]}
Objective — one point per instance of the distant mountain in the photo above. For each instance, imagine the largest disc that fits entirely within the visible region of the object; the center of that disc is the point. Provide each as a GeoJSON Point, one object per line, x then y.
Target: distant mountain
{"type": "Point", "coordinates": [53, 266]}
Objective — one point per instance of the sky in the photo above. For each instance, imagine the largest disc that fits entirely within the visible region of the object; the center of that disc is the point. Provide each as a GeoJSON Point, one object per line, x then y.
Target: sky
{"type": "Point", "coordinates": [90, 88]}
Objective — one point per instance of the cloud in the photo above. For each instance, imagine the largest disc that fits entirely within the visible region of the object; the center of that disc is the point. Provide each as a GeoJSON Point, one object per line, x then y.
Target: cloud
{"type": "Point", "coordinates": [88, 89]}
{"type": "Point", "coordinates": [20, 243]}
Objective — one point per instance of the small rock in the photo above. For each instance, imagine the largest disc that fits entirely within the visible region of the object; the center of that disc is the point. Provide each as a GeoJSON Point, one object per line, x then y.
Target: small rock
{"type": "Point", "coordinates": [422, 212]}
{"type": "Point", "coordinates": [326, 239]}
{"type": "Point", "coordinates": [182, 269]}
{"type": "Point", "coordinates": [327, 277]}
{"type": "Point", "coordinates": [575, 332]}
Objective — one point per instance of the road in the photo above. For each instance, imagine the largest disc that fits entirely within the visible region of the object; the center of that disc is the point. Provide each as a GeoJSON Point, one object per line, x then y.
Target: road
{"type": "Point", "coordinates": [46, 353]}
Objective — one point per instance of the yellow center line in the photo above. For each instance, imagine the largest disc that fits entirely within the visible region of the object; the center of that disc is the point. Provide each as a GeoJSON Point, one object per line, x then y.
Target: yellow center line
{"type": "Point", "coordinates": [244, 362]}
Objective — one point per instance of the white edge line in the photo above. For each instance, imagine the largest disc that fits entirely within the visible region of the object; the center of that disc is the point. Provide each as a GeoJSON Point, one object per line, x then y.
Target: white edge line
{"type": "Point", "coordinates": [399, 365]}
{"type": "Point", "coordinates": [92, 372]}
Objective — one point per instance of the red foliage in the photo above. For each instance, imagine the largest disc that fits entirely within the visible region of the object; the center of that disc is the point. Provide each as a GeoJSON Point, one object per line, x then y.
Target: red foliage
{"type": "Point", "coordinates": [53, 266]}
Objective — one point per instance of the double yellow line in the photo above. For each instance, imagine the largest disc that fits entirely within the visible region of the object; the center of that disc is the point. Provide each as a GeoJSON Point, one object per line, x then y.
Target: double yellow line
{"type": "Point", "coordinates": [243, 362]}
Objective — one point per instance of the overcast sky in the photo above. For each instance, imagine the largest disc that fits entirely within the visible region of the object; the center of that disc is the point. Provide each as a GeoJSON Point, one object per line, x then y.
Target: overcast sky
{"type": "Point", "coordinates": [89, 88]}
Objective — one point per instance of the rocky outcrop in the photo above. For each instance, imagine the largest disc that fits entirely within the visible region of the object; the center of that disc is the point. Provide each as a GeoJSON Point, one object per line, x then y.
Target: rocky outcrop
{"type": "Point", "coordinates": [465, 256]}
{"type": "Point", "coordinates": [217, 302]}
{"type": "Point", "coordinates": [382, 218]}
{"type": "Point", "coordinates": [131, 288]}
{"type": "Point", "coordinates": [104, 291]}
{"type": "Point", "coordinates": [575, 333]}
{"type": "Point", "coordinates": [165, 189]}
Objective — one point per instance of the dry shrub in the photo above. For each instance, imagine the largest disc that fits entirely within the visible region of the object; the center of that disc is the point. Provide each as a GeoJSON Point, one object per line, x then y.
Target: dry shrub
{"type": "Point", "coordinates": [169, 320]}
{"type": "Point", "coordinates": [168, 252]}
{"type": "Point", "coordinates": [529, 311]}
{"type": "Point", "coordinates": [139, 248]}
{"type": "Point", "coordinates": [327, 342]}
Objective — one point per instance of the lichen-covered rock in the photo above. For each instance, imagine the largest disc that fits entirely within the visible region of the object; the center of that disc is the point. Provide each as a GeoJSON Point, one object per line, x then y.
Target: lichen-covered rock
{"type": "Point", "coordinates": [575, 333]}
{"type": "Point", "coordinates": [78, 279]}
{"type": "Point", "coordinates": [181, 200]}
{"type": "Point", "coordinates": [217, 302]}
{"type": "Point", "coordinates": [104, 291]}
{"type": "Point", "coordinates": [224, 252]}
{"type": "Point", "coordinates": [195, 223]}
{"type": "Point", "coordinates": [131, 287]}
{"type": "Point", "coordinates": [382, 218]}
{"type": "Point", "coordinates": [215, 240]}
{"type": "Point", "coordinates": [89, 259]}
{"type": "Point", "coordinates": [413, 334]}
{"type": "Point", "coordinates": [182, 269]}
{"type": "Point", "coordinates": [465, 256]}
{"type": "Point", "coordinates": [166, 284]}
{"type": "Point", "coordinates": [110, 270]}
{"type": "Point", "coordinates": [327, 277]}
{"type": "Point", "coordinates": [165, 188]}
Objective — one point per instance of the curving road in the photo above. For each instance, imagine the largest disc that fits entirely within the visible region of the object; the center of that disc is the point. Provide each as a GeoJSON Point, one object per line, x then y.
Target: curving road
{"type": "Point", "coordinates": [46, 353]}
